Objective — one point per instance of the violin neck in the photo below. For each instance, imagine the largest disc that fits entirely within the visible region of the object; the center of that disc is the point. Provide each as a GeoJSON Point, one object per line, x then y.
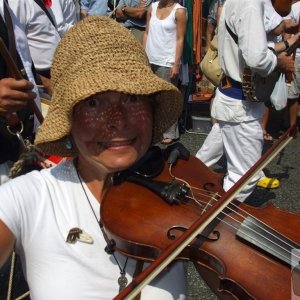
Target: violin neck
{"type": "Point", "coordinates": [262, 237]}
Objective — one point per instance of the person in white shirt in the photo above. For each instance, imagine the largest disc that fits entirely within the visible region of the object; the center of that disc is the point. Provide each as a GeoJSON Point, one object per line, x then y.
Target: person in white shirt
{"type": "Point", "coordinates": [276, 27]}
{"type": "Point", "coordinates": [294, 87]}
{"type": "Point", "coordinates": [238, 133]}
{"type": "Point", "coordinates": [14, 98]}
{"type": "Point", "coordinates": [106, 119]}
{"type": "Point", "coordinates": [15, 94]}
{"type": "Point", "coordinates": [64, 14]}
{"type": "Point", "coordinates": [163, 43]}
{"type": "Point", "coordinates": [42, 37]}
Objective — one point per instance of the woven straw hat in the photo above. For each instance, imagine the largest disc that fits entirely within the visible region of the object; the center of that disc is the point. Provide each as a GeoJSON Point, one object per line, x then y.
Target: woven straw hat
{"type": "Point", "coordinates": [98, 55]}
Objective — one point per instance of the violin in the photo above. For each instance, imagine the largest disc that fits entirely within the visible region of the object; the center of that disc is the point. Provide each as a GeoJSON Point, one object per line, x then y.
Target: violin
{"type": "Point", "coordinates": [244, 253]}
{"type": "Point", "coordinates": [282, 7]}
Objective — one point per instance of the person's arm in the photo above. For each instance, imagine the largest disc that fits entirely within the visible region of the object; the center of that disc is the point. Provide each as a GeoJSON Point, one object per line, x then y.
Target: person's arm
{"type": "Point", "coordinates": [286, 26]}
{"type": "Point", "coordinates": [285, 63]}
{"type": "Point", "coordinates": [14, 94]}
{"type": "Point", "coordinates": [210, 32]}
{"type": "Point", "coordinates": [289, 40]}
{"type": "Point", "coordinates": [252, 40]}
{"type": "Point", "coordinates": [181, 20]}
{"type": "Point", "coordinates": [83, 14]}
{"type": "Point", "coordinates": [46, 83]}
{"type": "Point", "coordinates": [211, 24]}
{"type": "Point", "coordinates": [133, 12]}
{"type": "Point", "coordinates": [7, 241]}
{"type": "Point", "coordinates": [84, 8]}
{"type": "Point", "coordinates": [120, 16]}
{"type": "Point", "coordinates": [219, 11]}
{"type": "Point", "coordinates": [147, 27]}
{"type": "Point", "coordinates": [124, 12]}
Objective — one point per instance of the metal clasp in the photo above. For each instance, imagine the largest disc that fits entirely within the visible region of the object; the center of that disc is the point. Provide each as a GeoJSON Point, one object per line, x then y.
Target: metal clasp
{"type": "Point", "coordinates": [18, 135]}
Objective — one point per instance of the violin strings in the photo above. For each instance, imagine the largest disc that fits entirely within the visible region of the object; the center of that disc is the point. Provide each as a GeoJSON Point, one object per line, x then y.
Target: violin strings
{"type": "Point", "coordinates": [247, 214]}
{"type": "Point", "coordinates": [244, 217]}
{"type": "Point", "coordinates": [190, 188]}
{"type": "Point", "coordinates": [234, 211]}
{"type": "Point", "coordinates": [251, 229]}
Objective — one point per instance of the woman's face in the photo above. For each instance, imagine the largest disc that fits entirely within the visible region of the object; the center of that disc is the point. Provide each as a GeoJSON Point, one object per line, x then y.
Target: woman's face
{"type": "Point", "coordinates": [112, 130]}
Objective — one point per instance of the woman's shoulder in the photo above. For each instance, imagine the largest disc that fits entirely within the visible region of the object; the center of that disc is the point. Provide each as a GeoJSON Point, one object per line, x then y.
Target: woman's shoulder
{"type": "Point", "coordinates": [178, 5]}
{"type": "Point", "coordinates": [154, 4]}
{"type": "Point", "coordinates": [180, 10]}
{"type": "Point", "coordinates": [62, 171]}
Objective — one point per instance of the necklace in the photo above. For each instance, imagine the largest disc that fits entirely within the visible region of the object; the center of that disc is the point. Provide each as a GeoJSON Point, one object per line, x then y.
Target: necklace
{"type": "Point", "coordinates": [109, 249]}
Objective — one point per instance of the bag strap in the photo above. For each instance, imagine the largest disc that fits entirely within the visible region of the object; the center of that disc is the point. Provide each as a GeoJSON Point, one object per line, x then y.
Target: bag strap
{"type": "Point", "coordinates": [11, 36]}
{"type": "Point", "coordinates": [247, 84]}
{"type": "Point", "coordinates": [41, 4]}
{"type": "Point", "coordinates": [4, 36]}
{"type": "Point", "coordinates": [12, 119]}
{"type": "Point", "coordinates": [233, 35]}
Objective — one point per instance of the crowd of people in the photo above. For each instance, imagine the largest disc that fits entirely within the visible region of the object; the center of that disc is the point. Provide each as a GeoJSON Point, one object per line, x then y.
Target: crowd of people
{"type": "Point", "coordinates": [112, 79]}
{"type": "Point", "coordinates": [237, 125]}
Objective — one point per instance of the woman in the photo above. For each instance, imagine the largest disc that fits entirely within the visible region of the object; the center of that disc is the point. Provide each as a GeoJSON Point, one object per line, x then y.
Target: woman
{"type": "Point", "coordinates": [107, 108]}
{"type": "Point", "coordinates": [163, 42]}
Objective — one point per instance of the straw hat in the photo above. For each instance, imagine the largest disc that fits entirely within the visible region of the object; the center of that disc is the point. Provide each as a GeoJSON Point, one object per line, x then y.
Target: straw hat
{"type": "Point", "coordinates": [98, 55]}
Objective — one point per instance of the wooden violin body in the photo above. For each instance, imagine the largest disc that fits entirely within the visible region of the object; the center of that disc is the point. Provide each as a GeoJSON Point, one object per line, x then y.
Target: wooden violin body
{"type": "Point", "coordinates": [233, 268]}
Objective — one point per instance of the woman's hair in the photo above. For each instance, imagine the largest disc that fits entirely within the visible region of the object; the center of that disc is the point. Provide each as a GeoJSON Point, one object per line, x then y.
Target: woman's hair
{"type": "Point", "coordinates": [165, 3]}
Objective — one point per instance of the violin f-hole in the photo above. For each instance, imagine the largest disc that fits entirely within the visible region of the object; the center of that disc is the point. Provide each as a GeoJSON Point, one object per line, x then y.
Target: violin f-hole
{"type": "Point", "coordinates": [172, 236]}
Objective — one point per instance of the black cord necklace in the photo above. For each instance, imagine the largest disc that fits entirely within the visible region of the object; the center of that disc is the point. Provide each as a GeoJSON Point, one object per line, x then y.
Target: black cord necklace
{"type": "Point", "coordinates": [109, 249]}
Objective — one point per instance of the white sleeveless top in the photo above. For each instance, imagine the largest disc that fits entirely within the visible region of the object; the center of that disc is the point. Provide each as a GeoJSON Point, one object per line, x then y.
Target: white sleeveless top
{"type": "Point", "coordinates": [161, 40]}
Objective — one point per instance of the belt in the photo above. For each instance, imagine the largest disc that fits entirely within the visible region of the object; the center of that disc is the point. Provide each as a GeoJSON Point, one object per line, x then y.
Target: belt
{"type": "Point", "coordinates": [136, 27]}
{"type": "Point", "coordinates": [231, 88]}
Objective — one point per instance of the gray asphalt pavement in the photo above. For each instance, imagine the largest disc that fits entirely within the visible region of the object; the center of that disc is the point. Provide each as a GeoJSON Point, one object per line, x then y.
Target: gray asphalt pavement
{"type": "Point", "coordinates": [285, 166]}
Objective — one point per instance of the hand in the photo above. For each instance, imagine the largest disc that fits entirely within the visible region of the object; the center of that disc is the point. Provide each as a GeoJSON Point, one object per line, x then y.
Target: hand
{"type": "Point", "coordinates": [290, 26]}
{"type": "Point", "coordinates": [293, 39]}
{"type": "Point", "coordinates": [14, 94]}
{"type": "Point", "coordinates": [285, 63]}
{"type": "Point", "coordinates": [174, 72]}
{"type": "Point", "coordinates": [83, 14]}
{"type": "Point", "coordinates": [46, 84]}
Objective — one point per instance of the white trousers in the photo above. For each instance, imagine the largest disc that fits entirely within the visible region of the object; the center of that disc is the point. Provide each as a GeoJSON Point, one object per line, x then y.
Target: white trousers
{"type": "Point", "coordinates": [242, 145]}
{"type": "Point", "coordinates": [212, 149]}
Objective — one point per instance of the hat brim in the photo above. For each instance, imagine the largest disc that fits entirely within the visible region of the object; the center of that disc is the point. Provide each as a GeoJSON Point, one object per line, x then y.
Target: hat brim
{"type": "Point", "coordinates": [55, 130]}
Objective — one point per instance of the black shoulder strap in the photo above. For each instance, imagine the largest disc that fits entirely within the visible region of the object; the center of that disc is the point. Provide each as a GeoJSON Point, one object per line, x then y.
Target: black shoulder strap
{"type": "Point", "coordinates": [4, 36]}
{"type": "Point", "coordinates": [11, 42]}
{"type": "Point", "coordinates": [233, 35]}
{"type": "Point", "coordinates": [41, 4]}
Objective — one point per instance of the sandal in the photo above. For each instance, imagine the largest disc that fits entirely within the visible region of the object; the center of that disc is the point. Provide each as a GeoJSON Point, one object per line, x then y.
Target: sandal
{"type": "Point", "coordinates": [268, 183]}
{"type": "Point", "coordinates": [167, 141]}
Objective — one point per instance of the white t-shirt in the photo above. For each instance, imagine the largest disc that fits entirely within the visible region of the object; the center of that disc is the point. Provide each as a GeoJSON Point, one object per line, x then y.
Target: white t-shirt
{"type": "Point", "coordinates": [64, 15]}
{"type": "Point", "coordinates": [272, 18]}
{"type": "Point", "coordinates": [24, 53]}
{"type": "Point", "coordinates": [161, 39]}
{"type": "Point", "coordinates": [40, 208]}
{"type": "Point", "coordinates": [295, 15]}
{"type": "Point", "coordinates": [42, 36]}
{"type": "Point", "coordinates": [252, 50]}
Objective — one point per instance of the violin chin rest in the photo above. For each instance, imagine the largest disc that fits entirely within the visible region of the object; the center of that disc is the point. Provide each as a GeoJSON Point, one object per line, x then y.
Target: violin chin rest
{"type": "Point", "coordinates": [149, 166]}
